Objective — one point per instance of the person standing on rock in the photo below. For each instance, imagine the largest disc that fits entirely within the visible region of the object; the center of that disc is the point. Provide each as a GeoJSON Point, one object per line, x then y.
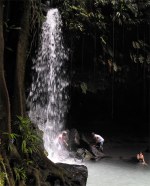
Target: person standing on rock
{"type": "Point", "coordinates": [98, 141]}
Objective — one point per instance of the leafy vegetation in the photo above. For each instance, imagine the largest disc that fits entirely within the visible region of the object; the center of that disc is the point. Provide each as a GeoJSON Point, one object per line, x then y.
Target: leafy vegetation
{"type": "Point", "coordinates": [26, 136]}
{"type": "Point", "coordinates": [30, 141]}
{"type": "Point", "coordinates": [11, 138]}
{"type": "Point", "coordinates": [3, 172]}
{"type": "Point", "coordinates": [115, 34]}
{"type": "Point", "coordinates": [20, 173]}
{"type": "Point", "coordinates": [2, 178]}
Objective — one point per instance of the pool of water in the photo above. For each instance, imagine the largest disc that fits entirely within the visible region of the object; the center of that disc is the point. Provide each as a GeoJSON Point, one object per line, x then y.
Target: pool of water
{"type": "Point", "coordinates": [118, 169]}
{"type": "Point", "coordinates": [114, 174]}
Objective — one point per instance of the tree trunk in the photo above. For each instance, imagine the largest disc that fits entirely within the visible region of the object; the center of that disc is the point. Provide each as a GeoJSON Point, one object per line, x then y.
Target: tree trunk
{"type": "Point", "coordinates": [19, 90]}
{"type": "Point", "coordinates": [5, 116]}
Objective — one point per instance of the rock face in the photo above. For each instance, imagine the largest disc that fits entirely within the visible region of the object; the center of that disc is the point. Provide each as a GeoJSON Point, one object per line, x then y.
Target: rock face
{"type": "Point", "coordinates": [79, 173]}
{"type": "Point", "coordinates": [47, 173]}
{"type": "Point", "coordinates": [81, 145]}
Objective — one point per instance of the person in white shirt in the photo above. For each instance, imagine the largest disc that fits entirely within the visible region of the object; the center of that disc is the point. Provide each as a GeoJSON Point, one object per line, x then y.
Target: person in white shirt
{"type": "Point", "coordinates": [98, 141]}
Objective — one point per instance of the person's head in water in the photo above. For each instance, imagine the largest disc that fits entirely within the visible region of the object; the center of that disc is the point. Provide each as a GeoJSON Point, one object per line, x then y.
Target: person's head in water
{"type": "Point", "coordinates": [140, 156]}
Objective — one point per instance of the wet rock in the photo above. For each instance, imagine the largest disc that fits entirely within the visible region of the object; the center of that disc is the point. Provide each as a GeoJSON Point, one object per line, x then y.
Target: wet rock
{"type": "Point", "coordinates": [79, 173]}
{"type": "Point", "coordinates": [97, 152]}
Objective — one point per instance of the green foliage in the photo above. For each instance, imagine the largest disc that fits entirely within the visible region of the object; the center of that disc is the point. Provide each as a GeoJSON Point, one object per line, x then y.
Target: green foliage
{"type": "Point", "coordinates": [30, 141]}
{"type": "Point", "coordinates": [3, 172]}
{"type": "Point", "coordinates": [115, 33]}
{"type": "Point", "coordinates": [126, 12]}
{"type": "Point", "coordinates": [79, 15]}
{"type": "Point", "coordinates": [27, 137]}
{"type": "Point", "coordinates": [12, 137]}
{"type": "Point", "coordinates": [37, 16]}
{"type": "Point", "coordinates": [83, 87]}
{"type": "Point", "coordinates": [2, 178]}
{"type": "Point", "coordinates": [109, 21]}
{"type": "Point", "coordinates": [75, 11]}
{"type": "Point", "coordinates": [36, 20]}
{"type": "Point", "coordinates": [20, 173]}
{"type": "Point", "coordinates": [27, 162]}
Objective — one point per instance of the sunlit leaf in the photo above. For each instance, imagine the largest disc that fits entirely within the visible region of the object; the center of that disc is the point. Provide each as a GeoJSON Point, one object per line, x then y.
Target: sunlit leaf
{"type": "Point", "coordinates": [83, 87]}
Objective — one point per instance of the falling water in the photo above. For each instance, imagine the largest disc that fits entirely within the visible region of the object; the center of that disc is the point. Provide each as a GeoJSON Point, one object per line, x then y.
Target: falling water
{"type": "Point", "coordinates": [48, 98]}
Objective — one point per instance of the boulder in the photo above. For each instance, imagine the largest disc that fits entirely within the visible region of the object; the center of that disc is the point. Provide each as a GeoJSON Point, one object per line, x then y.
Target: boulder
{"type": "Point", "coordinates": [79, 173]}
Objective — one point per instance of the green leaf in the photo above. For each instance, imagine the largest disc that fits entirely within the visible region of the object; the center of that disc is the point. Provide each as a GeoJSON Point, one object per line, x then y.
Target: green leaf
{"type": "Point", "coordinates": [83, 87]}
{"type": "Point", "coordinates": [24, 147]}
{"type": "Point", "coordinates": [135, 44]}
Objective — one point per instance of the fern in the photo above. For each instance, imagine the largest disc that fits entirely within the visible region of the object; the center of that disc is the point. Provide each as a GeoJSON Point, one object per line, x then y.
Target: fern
{"type": "Point", "coordinates": [83, 87]}
{"type": "Point", "coordinates": [20, 173]}
{"type": "Point", "coordinates": [29, 139]}
{"type": "Point", "coordinates": [12, 137]}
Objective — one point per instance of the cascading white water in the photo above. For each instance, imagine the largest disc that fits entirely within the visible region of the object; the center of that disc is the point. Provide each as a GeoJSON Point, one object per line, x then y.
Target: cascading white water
{"type": "Point", "coordinates": [47, 99]}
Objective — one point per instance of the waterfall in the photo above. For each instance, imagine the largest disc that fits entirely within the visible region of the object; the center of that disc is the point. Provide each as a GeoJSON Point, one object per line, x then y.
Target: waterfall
{"type": "Point", "coordinates": [47, 99]}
